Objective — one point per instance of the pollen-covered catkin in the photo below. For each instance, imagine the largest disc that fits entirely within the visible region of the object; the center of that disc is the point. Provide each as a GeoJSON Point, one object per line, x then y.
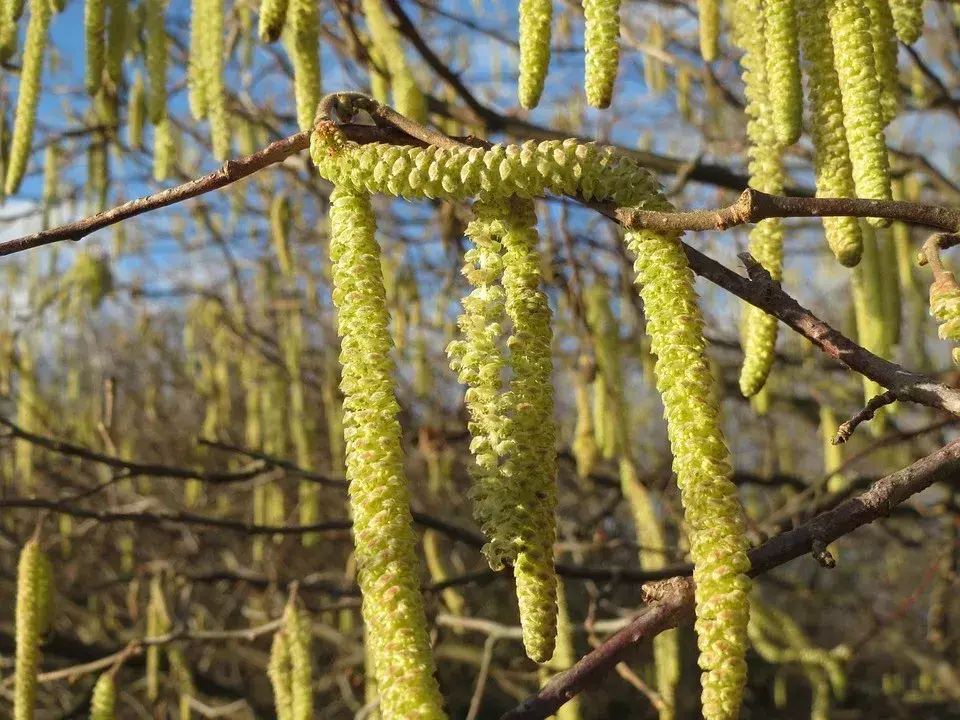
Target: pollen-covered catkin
{"type": "Point", "coordinates": [407, 96]}
{"type": "Point", "coordinates": [163, 149]}
{"type": "Point", "coordinates": [299, 632]}
{"type": "Point", "coordinates": [530, 437]}
{"type": "Point", "coordinates": [885, 57]}
{"type": "Point", "coordinates": [709, 17]}
{"type": "Point", "coordinates": [157, 59]}
{"type": "Point", "coordinates": [702, 464]}
{"type": "Point", "coordinates": [860, 96]}
{"type": "Point", "coordinates": [304, 49]}
{"type": "Point", "coordinates": [907, 19]}
{"type": "Point", "coordinates": [945, 308]}
{"type": "Point", "coordinates": [273, 15]}
{"type": "Point", "coordinates": [197, 65]}
{"type": "Point", "coordinates": [782, 68]}
{"type": "Point", "coordinates": [602, 42]}
{"type": "Point", "coordinates": [116, 40]}
{"type": "Point", "coordinates": [94, 29]}
{"type": "Point", "coordinates": [385, 543]}
{"type": "Point", "coordinates": [278, 670]}
{"type": "Point", "coordinates": [535, 19]}
{"type": "Point", "coordinates": [103, 702]}
{"type": "Point", "coordinates": [831, 153]}
{"type": "Point", "coordinates": [213, 62]}
{"type": "Point", "coordinates": [29, 94]}
{"type": "Point", "coordinates": [30, 603]}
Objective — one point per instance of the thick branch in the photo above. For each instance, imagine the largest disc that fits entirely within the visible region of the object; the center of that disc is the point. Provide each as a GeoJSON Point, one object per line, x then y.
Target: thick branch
{"type": "Point", "coordinates": [673, 599]}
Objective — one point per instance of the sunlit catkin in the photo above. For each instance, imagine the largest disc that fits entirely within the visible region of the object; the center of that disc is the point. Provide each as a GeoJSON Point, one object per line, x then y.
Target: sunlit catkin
{"type": "Point", "coordinates": [278, 670]}
{"type": "Point", "coordinates": [304, 48]}
{"type": "Point", "coordinates": [868, 308]}
{"type": "Point", "coordinates": [213, 56]}
{"type": "Point", "coordinates": [535, 19]}
{"type": "Point", "coordinates": [907, 19]}
{"type": "Point", "coordinates": [602, 43]}
{"type": "Point", "coordinates": [280, 232]}
{"type": "Point", "coordinates": [94, 29]}
{"type": "Point", "coordinates": [29, 95]}
{"type": "Point", "coordinates": [860, 95]}
{"type": "Point", "coordinates": [407, 96]}
{"type": "Point", "coordinates": [116, 40]}
{"type": "Point", "coordinates": [885, 57]}
{"type": "Point", "coordinates": [30, 603]}
{"type": "Point", "coordinates": [385, 543]}
{"type": "Point", "coordinates": [782, 68]}
{"type": "Point", "coordinates": [197, 66]}
{"type": "Point", "coordinates": [103, 702]}
{"type": "Point", "coordinates": [273, 15]}
{"type": "Point", "coordinates": [157, 59]}
{"type": "Point", "coordinates": [709, 18]}
{"type": "Point", "coordinates": [831, 154]}
{"type": "Point", "coordinates": [163, 149]}
{"type": "Point", "coordinates": [136, 112]}
{"type": "Point", "coordinates": [298, 629]}
{"type": "Point", "coordinates": [945, 308]}
{"type": "Point", "coordinates": [702, 464]}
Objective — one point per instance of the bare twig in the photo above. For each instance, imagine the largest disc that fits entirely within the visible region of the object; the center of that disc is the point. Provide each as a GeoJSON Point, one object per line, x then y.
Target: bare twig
{"type": "Point", "coordinates": [864, 414]}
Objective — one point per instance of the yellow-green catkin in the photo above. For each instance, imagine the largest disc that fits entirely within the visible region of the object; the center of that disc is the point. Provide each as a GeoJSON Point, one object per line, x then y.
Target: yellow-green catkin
{"type": "Point", "coordinates": [158, 623]}
{"type": "Point", "coordinates": [213, 57]}
{"type": "Point", "coordinates": [780, 37]}
{"type": "Point", "coordinates": [535, 19]}
{"type": "Point", "coordinates": [10, 11]}
{"type": "Point", "coordinates": [137, 112]}
{"type": "Point", "coordinates": [709, 12]}
{"type": "Point", "coordinates": [116, 40]}
{"type": "Point", "coordinates": [298, 629]}
{"type": "Point", "coordinates": [273, 15]}
{"type": "Point", "coordinates": [385, 542]}
{"type": "Point", "coordinates": [868, 309]}
{"type": "Point", "coordinates": [907, 19]}
{"type": "Point", "coordinates": [684, 106]}
{"type": "Point", "coordinates": [163, 149]}
{"type": "Point", "coordinates": [890, 294]}
{"type": "Point", "coordinates": [103, 702]}
{"type": "Point", "coordinates": [885, 57]}
{"type": "Point", "coordinates": [29, 95]}
{"type": "Point", "coordinates": [439, 571]}
{"type": "Point", "coordinates": [602, 43]}
{"type": "Point", "coordinates": [832, 454]}
{"type": "Point", "coordinates": [29, 609]}
{"type": "Point", "coordinates": [945, 308]}
{"type": "Point", "coordinates": [702, 464]}
{"type": "Point", "coordinates": [764, 129]}
{"type": "Point", "coordinates": [379, 78]}
{"type": "Point", "coordinates": [157, 59]}
{"type": "Point", "coordinates": [654, 72]}
{"type": "Point", "coordinates": [860, 92]}
{"type": "Point", "coordinates": [531, 436]}
{"type": "Point", "coordinates": [303, 44]}
{"type": "Point", "coordinates": [95, 28]}
{"type": "Point", "coordinates": [831, 153]}
{"type": "Point", "coordinates": [407, 96]}
{"type": "Point", "coordinates": [563, 657]}
{"type": "Point", "coordinates": [197, 67]}
{"type": "Point", "coordinates": [279, 672]}
{"type": "Point", "coordinates": [280, 232]}
{"type": "Point", "coordinates": [584, 445]}
{"type": "Point", "coordinates": [27, 402]}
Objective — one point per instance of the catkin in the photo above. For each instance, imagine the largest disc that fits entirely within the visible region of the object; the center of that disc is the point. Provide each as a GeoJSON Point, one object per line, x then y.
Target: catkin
{"type": "Point", "coordinates": [385, 543]}
{"type": "Point", "coordinates": [407, 96]}
{"type": "Point", "coordinates": [831, 153]}
{"type": "Point", "coordinates": [832, 454]}
{"type": "Point", "coordinates": [213, 60]}
{"type": "Point", "coordinates": [196, 68]}
{"type": "Point", "coordinates": [163, 149]}
{"type": "Point", "coordinates": [907, 19]}
{"type": "Point", "coordinates": [779, 37]}
{"type": "Point", "coordinates": [298, 629]}
{"type": "Point", "coordinates": [602, 43]}
{"type": "Point", "coordinates": [945, 308]}
{"type": "Point", "coordinates": [51, 179]}
{"type": "Point", "coordinates": [157, 60]}
{"type": "Point", "coordinates": [885, 57]}
{"type": "Point", "coordinates": [278, 670]}
{"type": "Point", "coordinates": [94, 27]}
{"type": "Point", "coordinates": [29, 95]}
{"type": "Point", "coordinates": [116, 40]}
{"type": "Point", "coordinates": [273, 15]}
{"type": "Point", "coordinates": [535, 19]}
{"type": "Point", "coordinates": [709, 16]}
{"type": "Point", "coordinates": [860, 96]}
{"type": "Point", "coordinates": [137, 112]}
{"type": "Point", "coordinates": [868, 309]}
{"type": "Point", "coordinates": [30, 602]}
{"type": "Point", "coordinates": [158, 623]}
{"type": "Point", "coordinates": [102, 705]}
{"type": "Point", "coordinates": [9, 16]}
{"type": "Point", "coordinates": [584, 445]}
{"type": "Point", "coordinates": [280, 232]}
{"type": "Point", "coordinates": [303, 45]}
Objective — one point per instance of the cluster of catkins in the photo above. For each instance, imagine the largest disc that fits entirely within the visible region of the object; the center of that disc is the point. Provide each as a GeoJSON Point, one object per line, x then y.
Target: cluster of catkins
{"type": "Point", "coordinates": [513, 438]}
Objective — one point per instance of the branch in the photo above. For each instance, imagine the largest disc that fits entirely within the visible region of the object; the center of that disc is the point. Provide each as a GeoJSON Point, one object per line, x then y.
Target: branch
{"type": "Point", "coordinates": [672, 600]}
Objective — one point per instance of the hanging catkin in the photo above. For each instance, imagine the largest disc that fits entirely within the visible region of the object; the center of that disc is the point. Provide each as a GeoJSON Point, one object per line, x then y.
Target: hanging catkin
{"type": "Point", "coordinates": [860, 96]}
{"type": "Point", "coordinates": [116, 40]}
{"type": "Point", "coordinates": [535, 20]}
{"type": "Point", "coordinates": [602, 43]}
{"type": "Point", "coordinates": [137, 112]}
{"type": "Point", "coordinates": [885, 57]}
{"type": "Point", "coordinates": [831, 154]}
{"type": "Point", "coordinates": [279, 672]}
{"type": "Point", "coordinates": [273, 15]}
{"type": "Point", "coordinates": [779, 44]}
{"type": "Point", "coordinates": [384, 539]}
{"type": "Point", "coordinates": [709, 14]}
{"type": "Point", "coordinates": [163, 149]}
{"type": "Point", "coordinates": [102, 705]}
{"type": "Point", "coordinates": [299, 633]}
{"type": "Point", "coordinates": [213, 56]}
{"type": "Point", "coordinates": [31, 599]}
{"type": "Point", "coordinates": [197, 66]}
{"type": "Point", "coordinates": [95, 27]}
{"type": "Point", "coordinates": [29, 96]}
{"type": "Point", "coordinates": [304, 49]}
{"type": "Point", "coordinates": [868, 308]}
{"type": "Point", "coordinates": [907, 19]}
{"type": "Point", "coordinates": [157, 60]}
{"type": "Point", "coordinates": [407, 96]}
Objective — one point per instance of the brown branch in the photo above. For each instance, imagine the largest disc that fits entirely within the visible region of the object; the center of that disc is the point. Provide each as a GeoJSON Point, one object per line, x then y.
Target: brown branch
{"type": "Point", "coordinates": [672, 600]}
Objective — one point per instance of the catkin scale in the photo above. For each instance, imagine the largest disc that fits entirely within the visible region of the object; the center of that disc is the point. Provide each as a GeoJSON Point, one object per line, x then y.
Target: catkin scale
{"type": "Point", "coordinates": [385, 543]}
{"type": "Point", "coordinates": [535, 19]}
{"type": "Point", "coordinates": [273, 15]}
{"type": "Point", "coordinates": [831, 153]}
{"type": "Point", "coordinates": [94, 28]}
{"type": "Point", "coordinates": [103, 702]}
{"type": "Point", "coordinates": [860, 95]}
{"type": "Point", "coordinates": [29, 95]}
{"type": "Point", "coordinates": [602, 43]}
